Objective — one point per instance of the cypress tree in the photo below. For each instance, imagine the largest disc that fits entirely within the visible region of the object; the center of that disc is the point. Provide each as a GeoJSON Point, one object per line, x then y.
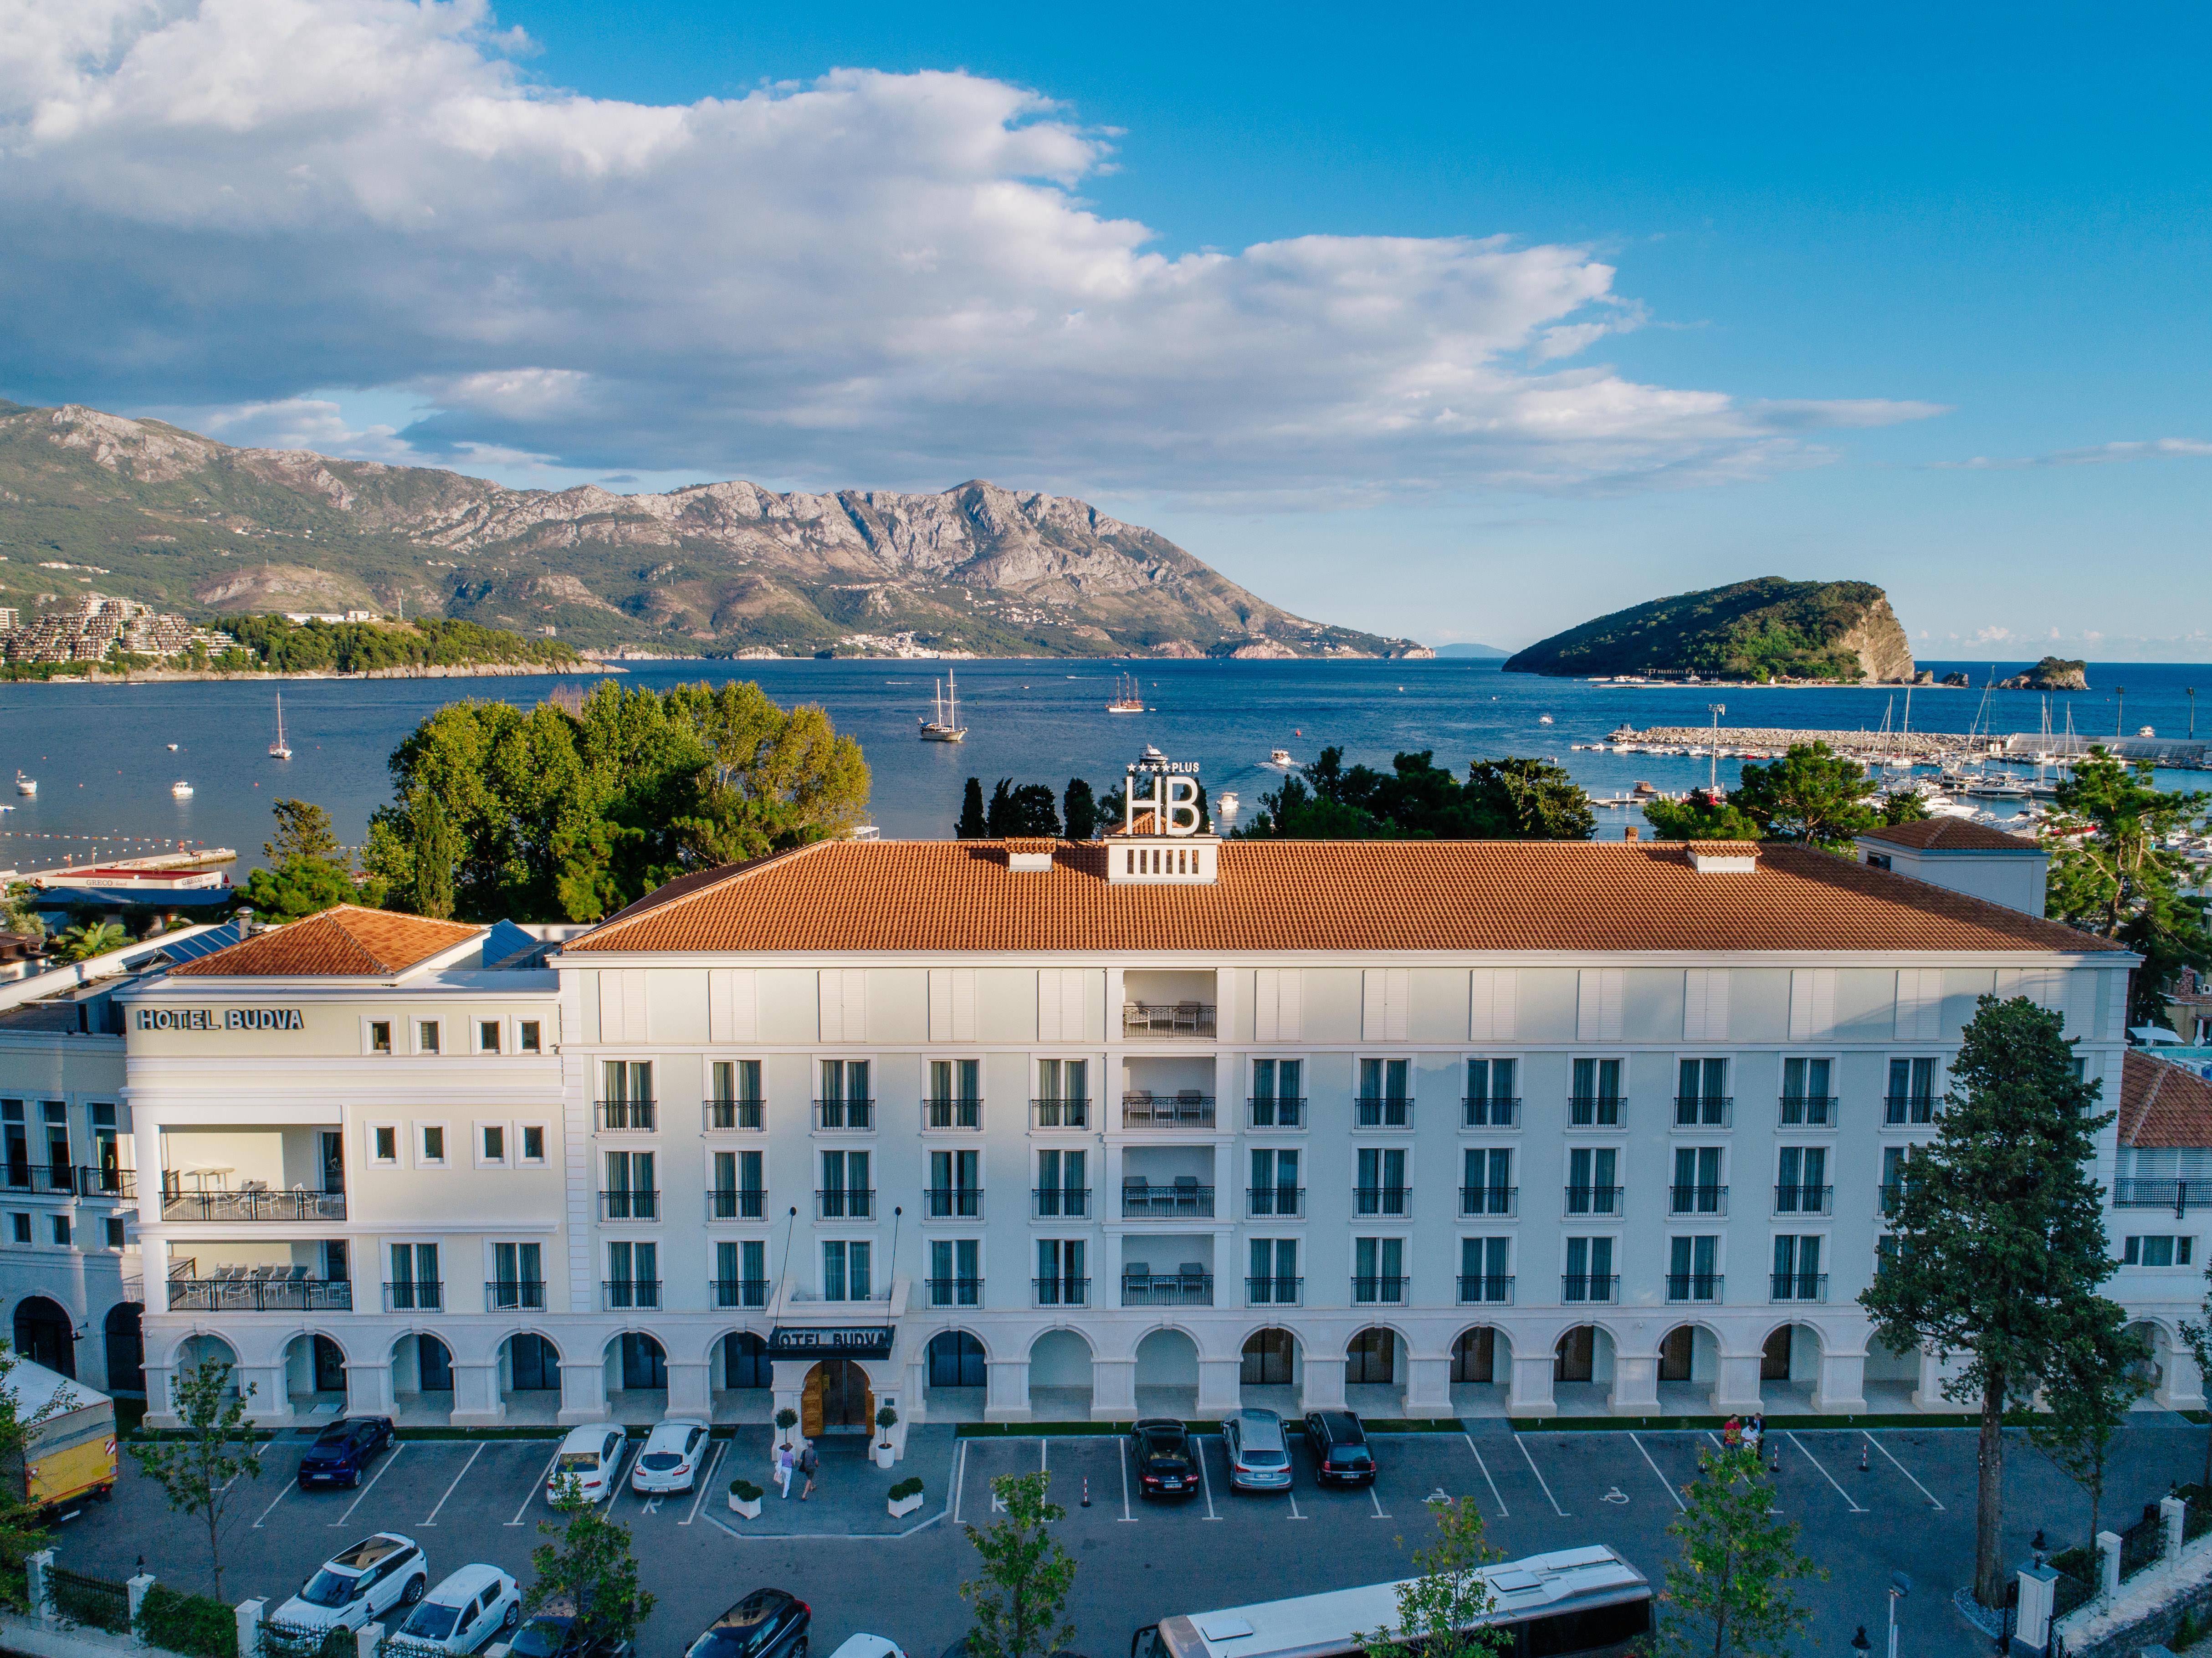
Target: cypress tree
{"type": "Point", "coordinates": [971, 826]}
{"type": "Point", "coordinates": [437, 848]}
{"type": "Point", "coordinates": [1080, 810]}
{"type": "Point", "coordinates": [999, 822]}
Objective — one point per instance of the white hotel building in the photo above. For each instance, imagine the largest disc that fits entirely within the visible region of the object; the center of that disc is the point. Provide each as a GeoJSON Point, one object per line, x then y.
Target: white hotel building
{"type": "Point", "coordinates": [1027, 1131]}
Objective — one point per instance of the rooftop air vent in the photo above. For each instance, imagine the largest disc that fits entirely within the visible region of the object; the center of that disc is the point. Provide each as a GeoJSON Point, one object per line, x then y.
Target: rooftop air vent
{"type": "Point", "coordinates": [1028, 856]}
{"type": "Point", "coordinates": [1723, 857]}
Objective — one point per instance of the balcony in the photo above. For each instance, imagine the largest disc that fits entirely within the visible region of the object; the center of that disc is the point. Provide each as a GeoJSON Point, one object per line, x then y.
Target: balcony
{"type": "Point", "coordinates": [1908, 1108]}
{"type": "Point", "coordinates": [1184, 1200]}
{"type": "Point", "coordinates": [1493, 1112]}
{"type": "Point", "coordinates": [1381, 1111]}
{"type": "Point", "coordinates": [1285, 1202]}
{"type": "Point", "coordinates": [1697, 1199]}
{"type": "Point", "coordinates": [1804, 1199]}
{"type": "Point", "coordinates": [53, 1179]}
{"type": "Point", "coordinates": [252, 1204]}
{"type": "Point", "coordinates": [624, 1116]}
{"type": "Point", "coordinates": [736, 1203]}
{"type": "Point", "coordinates": [845, 1116]}
{"type": "Point", "coordinates": [1059, 1114]}
{"type": "Point", "coordinates": [1186, 1288]}
{"type": "Point", "coordinates": [1593, 1200]}
{"type": "Point", "coordinates": [1278, 1111]}
{"type": "Point", "coordinates": [952, 1114]}
{"type": "Point", "coordinates": [1589, 1286]}
{"type": "Point", "coordinates": [1060, 1292]}
{"type": "Point", "coordinates": [741, 1293]}
{"type": "Point", "coordinates": [615, 1294]}
{"type": "Point", "coordinates": [1387, 1288]}
{"type": "Point", "coordinates": [846, 1203]}
{"type": "Point", "coordinates": [1809, 1110]}
{"type": "Point", "coordinates": [1596, 1110]}
{"type": "Point", "coordinates": [422, 1296]}
{"type": "Point", "coordinates": [1274, 1291]}
{"type": "Point", "coordinates": [1485, 1287]}
{"type": "Point", "coordinates": [1693, 1286]}
{"type": "Point", "coordinates": [118, 1183]}
{"type": "Point", "coordinates": [1059, 1202]}
{"type": "Point", "coordinates": [1490, 1199]}
{"type": "Point", "coordinates": [629, 1206]}
{"type": "Point", "coordinates": [1703, 1111]}
{"type": "Point", "coordinates": [1798, 1286]}
{"type": "Point", "coordinates": [728, 1116]}
{"type": "Point", "coordinates": [954, 1291]}
{"type": "Point", "coordinates": [1171, 1019]}
{"type": "Point", "coordinates": [2175, 1194]}
{"type": "Point", "coordinates": [1186, 1110]}
{"type": "Point", "coordinates": [259, 1290]}
{"type": "Point", "coordinates": [1380, 1200]}
{"type": "Point", "coordinates": [952, 1203]}
{"type": "Point", "coordinates": [1891, 1192]}
{"type": "Point", "coordinates": [515, 1295]}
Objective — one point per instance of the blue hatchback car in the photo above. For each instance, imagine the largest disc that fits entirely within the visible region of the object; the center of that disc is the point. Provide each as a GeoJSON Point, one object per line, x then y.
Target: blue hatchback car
{"type": "Point", "coordinates": [344, 1449]}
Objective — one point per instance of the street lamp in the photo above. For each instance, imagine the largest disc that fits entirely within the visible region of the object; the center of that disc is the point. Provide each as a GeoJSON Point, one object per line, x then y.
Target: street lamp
{"type": "Point", "coordinates": [1713, 777]}
{"type": "Point", "coordinates": [1860, 1644]}
{"type": "Point", "coordinates": [1900, 1587]}
{"type": "Point", "coordinates": [2192, 692]}
{"type": "Point", "coordinates": [2120, 717]}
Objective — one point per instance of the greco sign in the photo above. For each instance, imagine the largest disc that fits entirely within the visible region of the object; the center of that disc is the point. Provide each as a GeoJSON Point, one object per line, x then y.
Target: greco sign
{"type": "Point", "coordinates": [219, 1018]}
{"type": "Point", "coordinates": [851, 1341]}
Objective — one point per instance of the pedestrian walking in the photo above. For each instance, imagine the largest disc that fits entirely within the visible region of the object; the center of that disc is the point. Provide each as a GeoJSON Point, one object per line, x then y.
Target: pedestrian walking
{"type": "Point", "coordinates": [783, 1467]}
{"type": "Point", "coordinates": [809, 1464]}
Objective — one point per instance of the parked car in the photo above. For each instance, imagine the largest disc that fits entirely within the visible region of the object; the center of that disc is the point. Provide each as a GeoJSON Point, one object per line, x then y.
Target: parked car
{"type": "Point", "coordinates": [553, 1635]}
{"type": "Point", "coordinates": [1167, 1462]}
{"type": "Point", "coordinates": [591, 1455]}
{"type": "Point", "coordinates": [670, 1459]}
{"type": "Point", "coordinates": [360, 1584]}
{"type": "Point", "coordinates": [1259, 1460]}
{"type": "Point", "coordinates": [766, 1624]}
{"type": "Point", "coordinates": [344, 1449]}
{"type": "Point", "coordinates": [465, 1611]}
{"type": "Point", "coordinates": [1340, 1449]}
{"type": "Point", "coordinates": [869, 1646]}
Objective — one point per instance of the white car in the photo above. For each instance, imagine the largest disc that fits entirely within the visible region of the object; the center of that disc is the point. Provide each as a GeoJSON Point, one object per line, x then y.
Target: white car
{"type": "Point", "coordinates": [359, 1584]}
{"type": "Point", "coordinates": [590, 1456]}
{"type": "Point", "coordinates": [470, 1607]}
{"type": "Point", "coordinates": [670, 1459]}
{"type": "Point", "coordinates": [867, 1646]}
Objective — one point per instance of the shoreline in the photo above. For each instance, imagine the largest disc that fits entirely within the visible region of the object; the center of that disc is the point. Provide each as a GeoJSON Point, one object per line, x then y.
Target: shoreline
{"type": "Point", "coordinates": [429, 671]}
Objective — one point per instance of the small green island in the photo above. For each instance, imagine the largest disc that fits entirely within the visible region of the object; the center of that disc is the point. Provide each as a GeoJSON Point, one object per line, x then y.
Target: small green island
{"type": "Point", "coordinates": [2053, 673]}
{"type": "Point", "coordinates": [1767, 630]}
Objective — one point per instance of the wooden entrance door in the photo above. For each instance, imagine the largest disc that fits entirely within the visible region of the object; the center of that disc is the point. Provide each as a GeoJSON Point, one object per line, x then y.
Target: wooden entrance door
{"type": "Point", "coordinates": [1774, 1358]}
{"type": "Point", "coordinates": [1577, 1355]}
{"type": "Point", "coordinates": [836, 1396]}
{"type": "Point", "coordinates": [1675, 1354]}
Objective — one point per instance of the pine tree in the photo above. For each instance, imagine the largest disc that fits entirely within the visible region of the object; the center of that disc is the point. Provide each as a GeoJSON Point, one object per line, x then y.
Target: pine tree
{"type": "Point", "coordinates": [1729, 1595]}
{"type": "Point", "coordinates": [1999, 1236]}
{"type": "Point", "coordinates": [1080, 809]}
{"type": "Point", "coordinates": [2086, 1402]}
{"type": "Point", "coordinates": [971, 826]}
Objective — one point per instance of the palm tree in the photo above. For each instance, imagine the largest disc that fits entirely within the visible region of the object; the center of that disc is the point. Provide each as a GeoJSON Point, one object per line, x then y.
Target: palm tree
{"type": "Point", "coordinates": [90, 938]}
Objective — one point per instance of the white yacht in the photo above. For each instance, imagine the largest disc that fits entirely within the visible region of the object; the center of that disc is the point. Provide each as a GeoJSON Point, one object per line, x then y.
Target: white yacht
{"type": "Point", "coordinates": [945, 726]}
{"type": "Point", "coordinates": [181, 789]}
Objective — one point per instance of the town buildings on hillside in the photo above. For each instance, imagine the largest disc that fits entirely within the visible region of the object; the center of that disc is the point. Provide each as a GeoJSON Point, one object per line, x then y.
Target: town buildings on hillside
{"type": "Point", "coordinates": [90, 625]}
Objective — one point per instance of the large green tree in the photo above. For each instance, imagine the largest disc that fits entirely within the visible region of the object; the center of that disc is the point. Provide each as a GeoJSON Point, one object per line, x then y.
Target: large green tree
{"type": "Point", "coordinates": [1021, 1595]}
{"type": "Point", "coordinates": [1999, 1236]}
{"type": "Point", "coordinates": [308, 872]}
{"type": "Point", "coordinates": [1442, 1608]}
{"type": "Point", "coordinates": [22, 1535]}
{"type": "Point", "coordinates": [1081, 810]}
{"type": "Point", "coordinates": [588, 1572]}
{"type": "Point", "coordinates": [2094, 1383]}
{"type": "Point", "coordinates": [1728, 1593]}
{"type": "Point", "coordinates": [1417, 799]}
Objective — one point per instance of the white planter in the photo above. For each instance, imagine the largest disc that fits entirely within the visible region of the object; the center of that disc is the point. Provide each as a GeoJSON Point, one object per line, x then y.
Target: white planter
{"type": "Point", "coordinates": [750, 1510]}
{"type": "Point", "coordinates": [904, 1506]}
{"type": "Point", "coordinates": [885, 1456]}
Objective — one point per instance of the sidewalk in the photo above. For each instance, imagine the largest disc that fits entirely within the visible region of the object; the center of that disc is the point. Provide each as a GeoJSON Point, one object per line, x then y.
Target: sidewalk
{"type": "Point", "coordinates": [851, 1494]}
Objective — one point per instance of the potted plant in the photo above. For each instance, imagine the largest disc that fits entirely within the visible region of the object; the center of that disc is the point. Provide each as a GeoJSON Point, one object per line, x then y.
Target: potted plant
{"type": "Point", "coordinates": [886, 1419]}
{"type": "Point", "coordinates": [785, 1420]}
{"type": "Point", "coordinates": [746, 1498]}
{"type": "Point", "coordinates": [906, 1497]}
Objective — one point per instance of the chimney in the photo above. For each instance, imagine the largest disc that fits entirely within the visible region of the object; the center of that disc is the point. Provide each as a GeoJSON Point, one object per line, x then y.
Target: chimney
{"type": "Point", "coordinates": [1632, 832]}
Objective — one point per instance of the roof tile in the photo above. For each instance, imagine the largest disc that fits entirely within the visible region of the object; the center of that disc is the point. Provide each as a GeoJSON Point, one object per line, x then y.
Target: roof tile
{"type": "Point", "coordinates": [1949, 835]}
{"type": "Point", "coordinates": [347, 941]}
{"type": "Point", "coordinates": [2162, 1104]}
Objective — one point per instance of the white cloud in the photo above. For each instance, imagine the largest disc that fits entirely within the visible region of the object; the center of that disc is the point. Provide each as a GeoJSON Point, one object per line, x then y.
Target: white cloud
{"type": "Point", "coordinates": [2102, 454]}
{"type": "Point", "coordinates": [880, 279]}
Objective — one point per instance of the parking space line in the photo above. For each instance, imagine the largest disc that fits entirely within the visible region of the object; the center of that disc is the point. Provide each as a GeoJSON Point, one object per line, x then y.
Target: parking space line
{"type": "Point", "coordinates": [629, 1457]}
{"type": "Point", "coordinates": [1123, 1445]}
{"type": "Point", "coordinates": [465, 1466]}
{"type": "Point", "coordinates": [960, 1480]}
{"type": "Point", "coordinates": [1503, 1513]}
{"type": "Point", "coordinates": [1523, 1441]}
{"type": "Point", "coordinates": [366, 1489]}
{"type": "Point", "coordinates": [1662, 1479]}
{"type": "Point", "coordinates": [1902, 1469]}
{"type": "Point", "coordinates": [271, 1509]}
{"type": "Point", "coordinates": [1207, 1479]}
{"type": "Point", "coordinates": [1375, 1498]}
{"type": "Point", "coordinates": [1044, 1454]}
{"type": "Point", "coordinates": [1825, 1475]}
{"type": "Point", "coordinates": [240, 1474]}
{"type": "Point", "coordinates": [537, 1485]}
{"type": "Point", "coordinates": [1294, 1515]}
{"type": "Point", "coordinates": [707, 1479]}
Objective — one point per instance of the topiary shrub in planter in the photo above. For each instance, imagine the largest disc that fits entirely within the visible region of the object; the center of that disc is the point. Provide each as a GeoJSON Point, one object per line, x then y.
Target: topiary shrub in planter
{"type": "Point", "coordinates": [746, 1498]}
{"type": "Point", "coordinates": [886, 1419]}
{"type": "Point", "coordinates": [905, 1498]}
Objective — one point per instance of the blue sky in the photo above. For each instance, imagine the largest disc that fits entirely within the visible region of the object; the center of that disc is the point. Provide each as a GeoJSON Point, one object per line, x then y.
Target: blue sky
{"type": "Point", "coordinates": [1937, 275]}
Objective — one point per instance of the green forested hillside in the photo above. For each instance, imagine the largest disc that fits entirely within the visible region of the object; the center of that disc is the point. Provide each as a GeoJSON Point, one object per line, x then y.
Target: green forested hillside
{"type": "Point", "coordinates": [1766, 628]}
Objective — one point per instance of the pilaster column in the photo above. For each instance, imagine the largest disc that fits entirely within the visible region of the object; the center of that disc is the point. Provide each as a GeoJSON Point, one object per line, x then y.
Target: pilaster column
{"type": "Point", "coordinates": [1842, 1387]}
{"type": "Point", "coordinates": [477, 1402]}
{"type": "Point", "coordinates": [1428, 1387]}
{"type": "Point", "coordinates": [1006, 1391]}
{"type": "Point", "coordinates": [1532, 1386]}
{"type": "Point", "coordinates": [690, 1391]}
{"type": "Point", "coordinates": [1635, 1385]}
{"type": "Point", "coordinates": [583, 1394]}
{"type": "Point", "coordinates": [1220, 1386]}
{"type": "Point", "coordinates": [1113, 1386]}
{"type": "Point", "coordinates": [368, 1388]}
{"type": "Point", "coordinates": [272, 1403]}
{"type": "Point", "coordinates": [1736, 1387]}
{"type": "Point", "coordinates": [1321, 1383]}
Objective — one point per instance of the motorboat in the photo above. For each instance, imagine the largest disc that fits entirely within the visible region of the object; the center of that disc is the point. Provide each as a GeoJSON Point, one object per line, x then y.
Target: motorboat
{"type": "Point", "coordinates": [173, 748]}
{"type": "Point", "coordinates": [181, 789]}
{"type": "Point", "coordinates": [1543, 718]}
{"type": "Point", "coordinates": [1227, 804]}
{"type": "Point", "coordinates": [1280, 757]}
{"type": "Point", "coordinates": [26, 784]}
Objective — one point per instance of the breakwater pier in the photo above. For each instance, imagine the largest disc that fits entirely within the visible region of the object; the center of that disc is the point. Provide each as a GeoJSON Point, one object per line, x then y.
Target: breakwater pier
{"type": "Point", "coordinates": [1923, 748]}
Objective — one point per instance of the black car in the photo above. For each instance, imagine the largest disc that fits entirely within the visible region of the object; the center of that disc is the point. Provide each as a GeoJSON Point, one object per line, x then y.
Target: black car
{"type": "Point", "coordinates": [766, 1624]}
{"type": "Point", "coordinates": [1340, 1449]}
{"type": "Point", "coordinates": [342, 1450]}
{"type": "Point", "coordinates": [554, 1636]}
{"type": "Point", "coordinates": [1167, 1462]}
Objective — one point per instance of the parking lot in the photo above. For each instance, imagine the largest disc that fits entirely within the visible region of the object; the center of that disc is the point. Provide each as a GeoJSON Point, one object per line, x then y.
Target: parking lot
{"type": "Point", "coordinates": [1871, 1502]}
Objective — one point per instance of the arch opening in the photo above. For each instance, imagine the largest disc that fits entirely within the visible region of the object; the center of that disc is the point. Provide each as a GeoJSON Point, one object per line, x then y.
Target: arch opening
{"type": "Point", "coordinates": [1789, 1367]}
{"type": "Point", "coordinates": [1374, 1372]}
{"type": "Point", "coordinates": [955, 1376]}
{"type": "Point", "coordinates": [314, 1374]}
{"type": "Point", "coordinates": [1481, 1368]}
{"type": "Point", "coordinates": [743, 1378]}
{"type": "Point", "coordinates": [1271, 1370]}
{"type": "Point", "coordinates": [1689, 1367]}
{"type": "Point", "coordinates": [635, 1367]}
{"type": "Point", "coordinates": [836, 1399]}
{"type": "Point", "coordinates": [1060, 1380]}
{"type": "Point", "coordinates": [46, 1335]}
{"type": "Point", "coordinates": [529, 1377]}
{"type": "Point", "coordinates": [125, 1336]}
{"type": "Point", "coordinates": [1167, 1375]}
{"type": "Point", "coordinates": [1582, 1366]}
{"type": "Point", "coordinates": [421, 1380]}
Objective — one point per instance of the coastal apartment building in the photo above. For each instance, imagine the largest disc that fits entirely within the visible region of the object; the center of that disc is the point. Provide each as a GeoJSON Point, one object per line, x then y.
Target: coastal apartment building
{"type": "Point", "coordinates": [1034, 1130]}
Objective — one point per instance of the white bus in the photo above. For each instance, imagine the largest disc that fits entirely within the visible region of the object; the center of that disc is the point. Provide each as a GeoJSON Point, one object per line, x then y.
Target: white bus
{"type": "Point", "coordinates": [1575, 1602]}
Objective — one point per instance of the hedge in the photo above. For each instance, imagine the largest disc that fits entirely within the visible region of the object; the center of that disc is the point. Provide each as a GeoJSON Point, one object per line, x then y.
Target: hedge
{"type": "Point", "coordinates": [189, 1623]}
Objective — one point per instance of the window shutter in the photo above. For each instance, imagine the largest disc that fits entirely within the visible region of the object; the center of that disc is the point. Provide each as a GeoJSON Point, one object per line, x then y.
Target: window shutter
{"type": "Point", "coordinates": [1290, 1004]}
{"type": "Point", "coordinates": [1482, 1005]}
{"type": "Point", "coordinates": [633, 1005]}
{"type": "Point", "coordinates": [1919, 1004]}
{"type": "Point", "coordinates": [1266, 995]}
{"type": "Point", "coordinates": [1374, 1005]}
{"type": "Point", "coordinates": [940, 1004]}
{"type": "Point", "coordinates": [964, 1003]}
{"type": "Point", "coordinates": [2081, 1002]}
{"type": "Point", "coordinates": [1811, 1003]}
{"type": "Point", "coordinates": [830, 993]}
{"type": "Point", "coordinates": [1397, 994]}
{"type": "Point", "coordinates": [854, 992]}
{"type": "Point", "coordinates": [1705, 1004]}
{"type": "Point", "coordinates": [1597, 1005]}
{"type": "Point", "coordinates": [610, 1006]}
{"type": "Point", "coordinates": [732, 1005]}
{"type": "Point", "coordinates": [1048, 995]}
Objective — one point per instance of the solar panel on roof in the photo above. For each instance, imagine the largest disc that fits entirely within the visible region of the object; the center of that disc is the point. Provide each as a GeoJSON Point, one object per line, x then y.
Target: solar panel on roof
{"type": "Point", "coordinates": [504, 940]}
{"type": "Point", "coordinates": [200, 943]}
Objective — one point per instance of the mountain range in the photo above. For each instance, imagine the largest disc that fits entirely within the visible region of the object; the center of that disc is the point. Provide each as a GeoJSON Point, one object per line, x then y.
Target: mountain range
{"type": "Point", "coordinates": [148, 511]}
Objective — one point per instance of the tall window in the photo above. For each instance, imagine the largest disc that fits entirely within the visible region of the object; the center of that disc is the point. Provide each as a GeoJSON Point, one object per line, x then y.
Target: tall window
{"type": "Point", "coordinates": [736, 1101]}
{"type": "Point", "coordinates": [1492, 1095]}
{"type": "Point", "coordinates": [1594, 1181]}
{"type": "Point", "coordinates": [956, 1094]}
{"type": "Point", "coordinates": [739, 1193]}
{"type": "Point", "coordinates": [1697, 1189]}
{"type": "Point", "coordinates": [1378, 1269]}
{"type": "Point", "coordinates": [1275, 1189]}
{"type": "Point", "coordinates": [518, 1274]}
{"type": "Point", "coordinates": [845, 1193]}
{"type": "Point", "coordinates": [1691, 1263]}
{"type": "Point", "coordinates": [1486, 1181]}
{"type": "Point", "coordinates": [630, 1193]}
{"type": "Point", "coordinates": [55, 1112]}
{"type": "Point", "coordinates": [1595, 1102]}
{"type": "Point", "coordinates": [1590, 1275]}
{"type": "Point", "coordinates": [1277, 1093]}
{"type": "Point", "coordinates": [956, 1272]}
{"type": "Point", "coordinates": [1274, 1277]}
{"type": "Point", "coordinates": [1063, 1093]}
{"type": "Point", "coordinates": [414, 1283]}
{"type": "Point", "coordinates": [1801, 1184]}
{"type": "Point", "coordinates": [1062, 1187]}
{"type": "Point", "coordinates": [1895, 1159]}
{"type": "Point", "coordinates": [627, 1100]}
{"type": "Point", "coordinates": [1483, 1273]}
{"type": "Point", "coordinates": [846, 1101]}
{"type": "Point", "coordinates": [1912, 1096]}
{"type": "Point", "coordinates": [1797, 1275]}
{"type": "Point", "coordinates": [632, 1274]}
{"type": "Point", "coordinates": [1060, 1281]}
{"type": "Point", "coordinates": [955, 1185]}
{"type": "Point", "coordinates": [845, 1271]}
{"type": "Point", "coordinates": [1807, 1095]}
{"type": "Point", "coordinates": [1701, 1092]}
{"type": "Point", "coordinates": [1382, 1187]}
{"type": "Point", "coordinates": [1385, 1093]}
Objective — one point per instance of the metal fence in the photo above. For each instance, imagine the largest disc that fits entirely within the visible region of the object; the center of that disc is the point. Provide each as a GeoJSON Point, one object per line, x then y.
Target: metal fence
{"type": "Point", "coordinates": [283, 1640]}
{"type": "Point", "coordinates": [2144, 1544]}
{"type": "Point", "coordinates": [94, 1601]}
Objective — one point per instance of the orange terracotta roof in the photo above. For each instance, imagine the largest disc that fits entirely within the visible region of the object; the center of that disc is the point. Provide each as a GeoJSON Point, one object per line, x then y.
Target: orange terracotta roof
{"type": "Point", "coordinates": [1950, 835]}
{"type": "Point", "coordinates": [1368, 896]}
{"type": "Point", "coordinates": [347, 941]}
{"type": "Point", "coordinates": [2162, 1104]}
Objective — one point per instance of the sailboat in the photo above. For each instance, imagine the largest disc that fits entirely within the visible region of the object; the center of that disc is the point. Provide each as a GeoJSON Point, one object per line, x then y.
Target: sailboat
{"type": "Point", "coordinates": [1127, 698]}
{"type": "Point", "coordinates": [945, 727]}
{"type": "Point", "coordinates": [280, 750]}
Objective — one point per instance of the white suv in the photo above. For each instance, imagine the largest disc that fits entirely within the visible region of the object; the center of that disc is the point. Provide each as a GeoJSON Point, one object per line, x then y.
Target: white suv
{"type": "Point", "coordinates": [358, 1584]}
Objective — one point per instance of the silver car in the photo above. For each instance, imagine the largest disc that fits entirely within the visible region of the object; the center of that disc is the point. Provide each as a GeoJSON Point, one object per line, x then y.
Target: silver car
{"type": "Point", "coordinates": [1259, 1458]}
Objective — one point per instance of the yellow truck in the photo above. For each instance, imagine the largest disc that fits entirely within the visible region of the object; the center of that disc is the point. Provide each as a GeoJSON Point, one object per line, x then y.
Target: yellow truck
{"type": "Point", "coordinates": [70, 1452]}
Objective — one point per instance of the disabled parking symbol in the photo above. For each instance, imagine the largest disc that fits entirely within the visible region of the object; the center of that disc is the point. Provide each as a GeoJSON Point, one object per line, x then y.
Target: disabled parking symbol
{"type": "Point", "coordinates": [1616, 1494]}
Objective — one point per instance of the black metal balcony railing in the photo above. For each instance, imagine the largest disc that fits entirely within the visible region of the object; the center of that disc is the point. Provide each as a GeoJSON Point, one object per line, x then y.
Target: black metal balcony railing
{"type": "Point", "coordinates": [1697, 1199]}
{"type": "Point", "coordinates": [1799, 1286]}
{"type": "Point", "coordinates": [515, 1295]}
{"type": "Point", "coordinates": [1704, 1110]}
{"type": "Point", "coordinates": [107, 1182]}
{"type": "Point", "coordinates": [1379, 1200]}
{"type": "Point", "coordinates": [625, 1116]}
{"type": "Point", "coordinates": [1184, 1110]}
{"type": "Point", "coordinates": [1279, 1111]}
{"type": "Point", "coordinates": [1386, 1287]}
{"type": "Point", "coordinates": [1142, 1201]}
{"type": "Point", "coordinates": [956, 1292]}
{"type": "Point", "coordinates": [422, 1296]}
{"type": "Point", "coordinates": [1595, 1110]}
{"type": "Point", "coordinates": [1167, 1289]}
{"type": "Point", "coordinates": [1804, 1199]}
{"type": "Point", "coordinates": [1891, 1192]}
{"type": "Point", "coordinates": [852, 1116]}
{"type": "Point", "coordinates": [57, 1179]}
{"type": "Point", "coordinates": [1908, 1108]}
{"type": "Point", "coordinates": [1693, 1286]}
{"type": "Point", "coordinates": [1061, 1291]}
{"type": "Point", "coordinates": [942, 1113]}
{"type": "Point", "coordinates": [1381, 1111]}
{"type": "Point", "coordinates": [241, 1293]}
{"type": "Point", "coordinates": [253, 1205]}
{"type": "Point", "coordinates": [1809, 1110]}
{"type": "Point", "coordinates": [629, 1292]}
{"type": "Point", "coordinates": [1489, 1199]}
{"type": "Point", "coordinates": [1494, 1111]}
{"type": "Point", "coordinates": [846, 1203]}
{"type": "Point", "coordinates": [1280, 1200]}
{"type": "Point", "coordinates": [2179, 1195]}
{"type": "Point", "coordinates": [736, 1203]}
{"type": "Point", "coordinates": [1059, 1114]}
{"type": "Point", "coordinates": [1589, 1286]}
{"type": "Point", "coordinates": [1274, 1291]}
{"type": "Point", "coordinates": [1059, 1202]}
{"type": "Point", "coordinates": [1593, 1200]}
{"type": "Point", "coordinates": [741, 1293]}
{"type": "Point", "coordinates": [727, 1115]}
{"type": "Point", "coordinates": [1167, 1018]}
{"type": "Point", "coordinates": [629, 1206]}
{"type": "Point", "coordinates": [1486, 1286]}
{"type": "Point", "coordinates": [952, 1202]}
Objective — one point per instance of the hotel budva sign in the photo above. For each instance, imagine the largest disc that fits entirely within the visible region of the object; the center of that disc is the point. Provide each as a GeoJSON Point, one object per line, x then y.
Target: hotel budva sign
{"type": "Point", "coordinates": [854, 1341]}
{"type": "Point", "coordinates": [220, 1019]}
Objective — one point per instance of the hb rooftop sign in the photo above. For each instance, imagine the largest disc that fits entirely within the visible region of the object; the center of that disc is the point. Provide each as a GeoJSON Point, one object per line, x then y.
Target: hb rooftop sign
{"type": "Point", "coordinates": [1172, 803]}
